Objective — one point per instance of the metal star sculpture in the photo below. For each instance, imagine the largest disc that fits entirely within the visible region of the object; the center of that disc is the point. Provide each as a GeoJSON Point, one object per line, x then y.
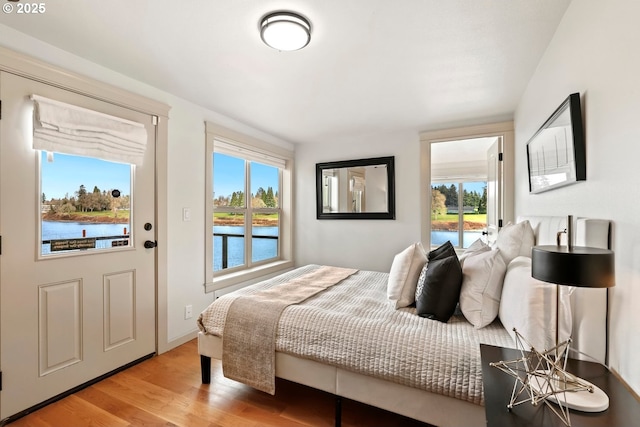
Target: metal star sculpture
{"type": "Point", "coordinates": [541, 377]}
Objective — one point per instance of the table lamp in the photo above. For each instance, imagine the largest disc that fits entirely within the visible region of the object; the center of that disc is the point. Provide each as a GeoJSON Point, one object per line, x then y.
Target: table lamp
{"type": "Point", "coordinates": [578, 266]}
{"type": "Point", "coordinates": [542, 375]}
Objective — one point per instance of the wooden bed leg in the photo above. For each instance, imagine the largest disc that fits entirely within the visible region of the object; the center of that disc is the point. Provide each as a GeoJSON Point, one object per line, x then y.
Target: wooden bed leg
{"type": "Point", "coordinates": [338, 411]}
{"type": "Point", "coordinates": [205, 369]}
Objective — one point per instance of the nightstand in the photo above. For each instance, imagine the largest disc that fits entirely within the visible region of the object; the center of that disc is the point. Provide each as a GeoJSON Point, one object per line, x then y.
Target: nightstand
{"type": "Point", "coordinates": [624, 409]}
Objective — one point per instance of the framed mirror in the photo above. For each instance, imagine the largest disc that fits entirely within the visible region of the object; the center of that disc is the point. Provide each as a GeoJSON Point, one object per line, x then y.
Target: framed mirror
{"type": "Point", "coordinates": [356, 189]}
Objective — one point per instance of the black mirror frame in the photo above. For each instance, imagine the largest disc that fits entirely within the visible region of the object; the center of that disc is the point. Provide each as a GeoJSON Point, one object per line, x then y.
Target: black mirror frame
{"type": "Point", "coordinates": [391, 199]}
{"type": "Point", "coordinates": [577, 144]}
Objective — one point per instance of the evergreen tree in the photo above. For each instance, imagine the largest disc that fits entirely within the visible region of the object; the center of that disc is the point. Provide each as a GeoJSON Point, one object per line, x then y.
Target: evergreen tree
{"type": "Point", "coordinates": [482, 204]}
{"type": "Point", "coordinates": [82, 198]}
{"type": "Point", "coordinates": [471, 198]}
{"type": "Point", "coordinates": [452, 196]}
{"type": "Point", "coordinates": [237, 199]}
{"type": "Point", "coordinates": [269, 199]}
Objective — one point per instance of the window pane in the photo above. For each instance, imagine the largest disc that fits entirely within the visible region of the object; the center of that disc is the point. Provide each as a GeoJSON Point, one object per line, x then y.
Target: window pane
{"type": "Point", "coordinates": [475, 211]}
{"type": "Point", "coordinates": [264, 186]}
{"type": "Point", "coordinates": [264, 239]}
{"type": "Point", "coordinates": [85, 204]}
{"type": "Point", "coordinates": [228, 181]}
{"type": "Point", "coordinates": [444, 214]}
{"type": "Point", "coordinates": [228, 240]}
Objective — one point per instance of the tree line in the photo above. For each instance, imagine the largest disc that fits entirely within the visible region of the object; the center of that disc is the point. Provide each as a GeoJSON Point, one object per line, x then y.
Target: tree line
{"type": "Point", "coordinates": [84, 201]}
{"type": "Point", "coordinates": [444, 198]}
{"type": "Point", "coordinates": [261, 199]}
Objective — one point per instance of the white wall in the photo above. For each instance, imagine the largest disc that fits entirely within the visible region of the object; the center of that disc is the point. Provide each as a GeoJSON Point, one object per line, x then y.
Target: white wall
{"type": "Point", "coordinates": [363, 244]}
{"type": "Point", "coordinates": [594, 52]}
{"type": "Point", "coordinates": [186, 163]}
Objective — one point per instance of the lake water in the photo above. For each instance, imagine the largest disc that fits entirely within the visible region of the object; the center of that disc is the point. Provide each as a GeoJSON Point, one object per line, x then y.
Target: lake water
{"type": "Point", "coordinates": [262, 248]}
{"type": "Point", "coordinates": [468, 237]}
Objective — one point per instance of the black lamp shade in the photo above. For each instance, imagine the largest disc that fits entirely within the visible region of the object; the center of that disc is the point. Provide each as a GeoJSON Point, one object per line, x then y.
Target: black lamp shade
{"type": "Point", "coordinates": [576, 266]}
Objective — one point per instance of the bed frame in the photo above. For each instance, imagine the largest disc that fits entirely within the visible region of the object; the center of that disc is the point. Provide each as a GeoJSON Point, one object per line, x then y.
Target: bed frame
{"type": "Point", "coordinates": [429, 407]}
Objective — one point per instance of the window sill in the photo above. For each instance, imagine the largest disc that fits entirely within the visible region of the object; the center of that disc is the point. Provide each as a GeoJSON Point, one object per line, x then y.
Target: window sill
{"type": "Point", "coordinates": [239, 277]}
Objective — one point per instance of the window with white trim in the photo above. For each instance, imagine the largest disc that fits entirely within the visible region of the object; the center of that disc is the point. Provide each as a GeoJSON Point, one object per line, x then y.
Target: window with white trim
{"type": "Point", "coordinates": [248, 219]}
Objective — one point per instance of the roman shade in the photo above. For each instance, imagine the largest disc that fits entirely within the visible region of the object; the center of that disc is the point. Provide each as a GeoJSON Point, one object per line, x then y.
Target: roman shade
{"type": "Point", "coordinates": [244, 152]}
{"type": "Point", "coordinates": [68, 129]}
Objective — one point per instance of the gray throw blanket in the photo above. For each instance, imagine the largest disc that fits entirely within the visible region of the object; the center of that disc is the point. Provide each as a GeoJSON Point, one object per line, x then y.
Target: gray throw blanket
{"type": "Point", "coordinates": [250, 329]}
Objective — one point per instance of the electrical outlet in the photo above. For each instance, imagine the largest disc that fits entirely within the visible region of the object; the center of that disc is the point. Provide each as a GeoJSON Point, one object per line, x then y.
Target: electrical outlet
{"type": "Point", "coordinates": [188, 311]}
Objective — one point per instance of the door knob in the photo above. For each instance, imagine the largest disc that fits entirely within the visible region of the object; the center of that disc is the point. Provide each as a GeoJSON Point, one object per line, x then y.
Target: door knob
{"type": "Point", "coordinates": [150, 244]}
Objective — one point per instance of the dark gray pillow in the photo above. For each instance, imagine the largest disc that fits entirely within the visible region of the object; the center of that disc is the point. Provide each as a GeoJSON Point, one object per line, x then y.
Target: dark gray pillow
{"type": "Point", "coordinates": [440, 290]}
{"type": "Point", "coordinates": [442, 251]}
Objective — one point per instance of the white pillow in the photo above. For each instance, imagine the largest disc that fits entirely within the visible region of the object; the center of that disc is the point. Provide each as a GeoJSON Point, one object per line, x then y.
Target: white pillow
{"type": "Point", "coordinates": [515, 240]}
{"type": "Point", "coordinates": [476, 247]}
{"type": "Point", "coordinates": [482, 276]}
{"type": "Point", "coordinates": [529, 305]}
{"type": "Point", "coordinates": [403, 277]}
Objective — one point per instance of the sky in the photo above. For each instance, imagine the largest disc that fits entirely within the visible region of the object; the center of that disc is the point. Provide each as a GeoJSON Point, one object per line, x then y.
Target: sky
{"type": "Point", "coordinates": [478, 187]}
{"type": "Point", "coordinates": [66, 173]}
{"type": "Point", "coordinates": [228, 175]}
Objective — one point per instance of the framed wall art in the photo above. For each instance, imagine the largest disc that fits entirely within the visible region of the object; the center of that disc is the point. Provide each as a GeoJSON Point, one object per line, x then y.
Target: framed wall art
{"type": "Point", "coordinates": [556, 153]}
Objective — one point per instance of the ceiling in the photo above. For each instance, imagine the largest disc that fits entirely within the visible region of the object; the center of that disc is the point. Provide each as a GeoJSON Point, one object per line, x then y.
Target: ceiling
{"type": "Point", "coordinates": [373, 66]}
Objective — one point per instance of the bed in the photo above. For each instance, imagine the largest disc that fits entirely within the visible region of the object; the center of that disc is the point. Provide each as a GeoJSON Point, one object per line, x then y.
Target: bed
{"type": "Point", "coordinates": [350, 340]}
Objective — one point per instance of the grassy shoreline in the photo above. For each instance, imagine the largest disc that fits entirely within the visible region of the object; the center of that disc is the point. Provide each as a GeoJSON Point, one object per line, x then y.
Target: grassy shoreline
{"type": "Point", "coordinates": [453, 225]}
{"type": "Point", "coordinates": [103, 217]}
{"type": "Point", "coordinates": [107, 217]}
{"type": "Point", "coordinates": [260, 220]}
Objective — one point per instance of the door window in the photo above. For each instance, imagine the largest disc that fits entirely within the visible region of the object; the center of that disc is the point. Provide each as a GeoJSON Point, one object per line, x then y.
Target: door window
{"type": "Point", "coordinates": [85, 204]}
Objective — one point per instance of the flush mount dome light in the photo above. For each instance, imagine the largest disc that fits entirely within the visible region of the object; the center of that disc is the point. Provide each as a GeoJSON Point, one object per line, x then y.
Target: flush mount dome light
{"type": "Point", "coordinates": [285, 31]}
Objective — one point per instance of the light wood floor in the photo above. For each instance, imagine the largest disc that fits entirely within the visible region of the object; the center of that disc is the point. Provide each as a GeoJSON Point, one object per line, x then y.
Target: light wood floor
{"type": "Point", "coordinates": [167, 391]}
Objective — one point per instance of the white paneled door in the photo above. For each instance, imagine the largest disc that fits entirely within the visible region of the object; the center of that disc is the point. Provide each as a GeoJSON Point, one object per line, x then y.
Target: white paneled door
{"type": "Point", "coordinates": [77, 295]}
{"type": "Point", "coordinates": [494, 190]}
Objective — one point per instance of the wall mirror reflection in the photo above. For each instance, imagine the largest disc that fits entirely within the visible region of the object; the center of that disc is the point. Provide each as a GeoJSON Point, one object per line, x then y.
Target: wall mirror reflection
{"type": "Point", "coordinates": [356, 189]}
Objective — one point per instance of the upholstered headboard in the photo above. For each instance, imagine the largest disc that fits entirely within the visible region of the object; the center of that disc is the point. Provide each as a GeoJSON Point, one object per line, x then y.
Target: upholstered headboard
{"type": "Point", "coordinates": [588, 306]}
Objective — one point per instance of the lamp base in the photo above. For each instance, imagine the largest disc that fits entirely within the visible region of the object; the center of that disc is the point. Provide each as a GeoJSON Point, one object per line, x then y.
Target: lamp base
{"type": "Point", "coordinates": [542, 377]}
{"type": "Point", "coordinates": [575, 393]}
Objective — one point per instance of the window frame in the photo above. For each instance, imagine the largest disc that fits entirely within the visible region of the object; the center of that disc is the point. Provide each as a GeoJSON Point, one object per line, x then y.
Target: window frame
{"type": "Point", "coordinates": [503, 130]}
{"type": "Point", "coordinates": [251, 150]}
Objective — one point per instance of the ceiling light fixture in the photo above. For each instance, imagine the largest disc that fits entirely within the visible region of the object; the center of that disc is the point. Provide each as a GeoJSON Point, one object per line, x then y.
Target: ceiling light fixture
{"type": "Point", "coordinates": [285, 31]}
